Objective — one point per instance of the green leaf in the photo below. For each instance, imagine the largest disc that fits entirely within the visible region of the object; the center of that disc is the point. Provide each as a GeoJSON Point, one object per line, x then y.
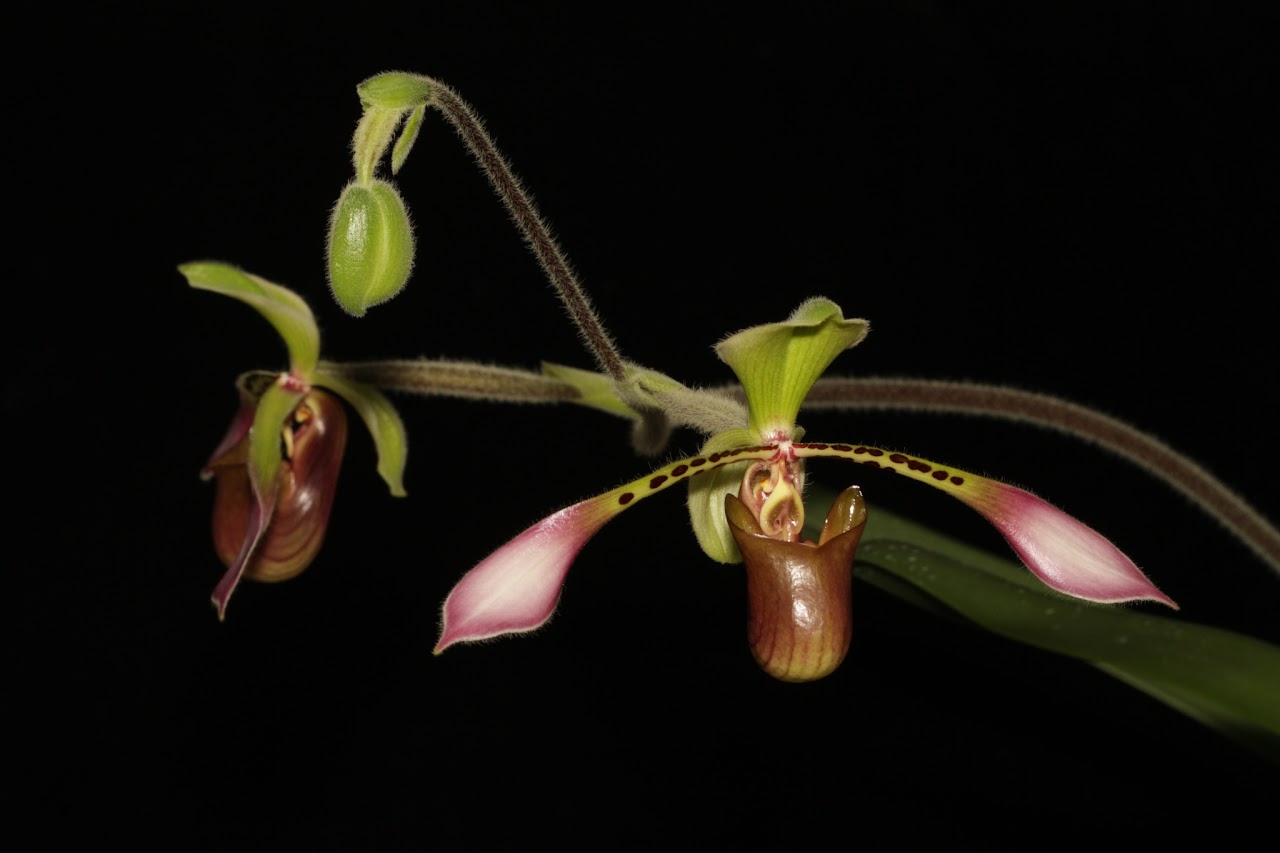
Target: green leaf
{"type": "Point", "coordinates": [390, 439]}
{"type": "Point", "coordinates": [283, 308]}
{"type": "Point", "coordinates": [1224, 680]}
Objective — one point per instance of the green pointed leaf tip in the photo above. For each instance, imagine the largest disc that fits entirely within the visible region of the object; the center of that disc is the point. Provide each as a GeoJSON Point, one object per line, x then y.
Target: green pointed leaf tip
{"type": "Point", "coordinates": [390, 439]}
{"type": "Point", "coordinates": [395, 90]}
{"type": "Point", "coordinates": [370, 246]}
{"type": "Point", "coordinates": [284, 309]}
{"type": "Point", "coordinates": [777, 363]}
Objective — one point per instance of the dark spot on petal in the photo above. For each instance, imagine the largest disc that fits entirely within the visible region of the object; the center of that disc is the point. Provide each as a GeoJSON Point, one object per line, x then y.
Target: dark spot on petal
{"type": "Point", "coordinates": [917, 465]}
{"type": "Point", "coordinates": [696, 462]}
{"type": "Point", "coordinates": [625, 498]}
{"type": "Point", "coordinates": [860, 450]}
{"type": "Point", "coordinates": [959, 481]}
{"type": "Point", "coordinates": [939, 475]}
{"type": "Point", "coordinates": [898, 458]}
{"type": "Point", "coordinates": [843, 448]}
{"type": "Point", "coordinates": [679, 470]}
{"type": "Point", "coordinates": [873, 463]}
{"type": "Point", "coordinates": [657, 481]}
{"type": "Point", "coordinates": [875, 452]}
{"type": "Point", "coordinates": [818, 446]}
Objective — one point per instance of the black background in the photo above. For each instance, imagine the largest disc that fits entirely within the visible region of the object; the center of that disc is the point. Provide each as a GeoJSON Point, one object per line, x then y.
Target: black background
{"type": "Point", "coordinates": [1075, 201]}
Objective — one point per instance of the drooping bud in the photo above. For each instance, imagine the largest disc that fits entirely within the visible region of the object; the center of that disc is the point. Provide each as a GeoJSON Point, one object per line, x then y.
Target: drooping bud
{"type": "Point", "coordinates": [314, 440]}
{"type": "Point", "coordinates": [799, 593]}
{"type": "Point", "coordinates": [370, 248]}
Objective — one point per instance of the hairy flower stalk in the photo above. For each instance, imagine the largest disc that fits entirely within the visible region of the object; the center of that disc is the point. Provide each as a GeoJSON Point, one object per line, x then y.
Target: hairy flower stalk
{"type": "Point", "coordinates": [457, 379]}
{"type": "Point", "coordinates": [525, 214]}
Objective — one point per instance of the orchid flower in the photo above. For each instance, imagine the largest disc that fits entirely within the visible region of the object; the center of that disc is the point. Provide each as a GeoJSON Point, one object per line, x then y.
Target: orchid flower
{"type": "Point", "coordinates": [746, 503]}
{"type": "Point", "coordinates": [745, 486]}
{"type": "Point", "coordinates": [276, 469]}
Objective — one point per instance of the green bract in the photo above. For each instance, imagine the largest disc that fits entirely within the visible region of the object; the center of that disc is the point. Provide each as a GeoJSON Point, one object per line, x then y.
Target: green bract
{"type": "Point", "coordinates": [388, 99]}
{"type": "Point", "coordinates": [408, 136]}
{"type": "Point", "coordinates": [394, 90]}
{"type": "Point", "coordinates": [595, 390]}
{"type": "Point", "coordinates": [370, 246]}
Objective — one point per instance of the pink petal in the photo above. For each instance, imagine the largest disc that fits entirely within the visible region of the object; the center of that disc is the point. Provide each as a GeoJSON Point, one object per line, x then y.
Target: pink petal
{"type": "Point", "coordinates": [516, 588]}
{"type": "Point", "coordinates": [1062, 551]}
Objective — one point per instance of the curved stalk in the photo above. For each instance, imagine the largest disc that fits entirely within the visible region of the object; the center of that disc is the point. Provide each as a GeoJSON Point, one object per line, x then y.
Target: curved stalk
{"type": "Point", "coordinates": [521, 207]}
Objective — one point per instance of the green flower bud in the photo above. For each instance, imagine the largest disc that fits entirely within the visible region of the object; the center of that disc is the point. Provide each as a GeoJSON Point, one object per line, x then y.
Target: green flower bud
{"type": "Point", "coordinates": [370, 246]}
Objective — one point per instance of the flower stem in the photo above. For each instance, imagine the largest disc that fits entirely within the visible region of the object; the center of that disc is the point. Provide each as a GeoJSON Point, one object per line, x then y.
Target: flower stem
{"type": "Point", "coordinates": [521, 207]}
{"type": "Point", "coordinates": [460, 379]}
